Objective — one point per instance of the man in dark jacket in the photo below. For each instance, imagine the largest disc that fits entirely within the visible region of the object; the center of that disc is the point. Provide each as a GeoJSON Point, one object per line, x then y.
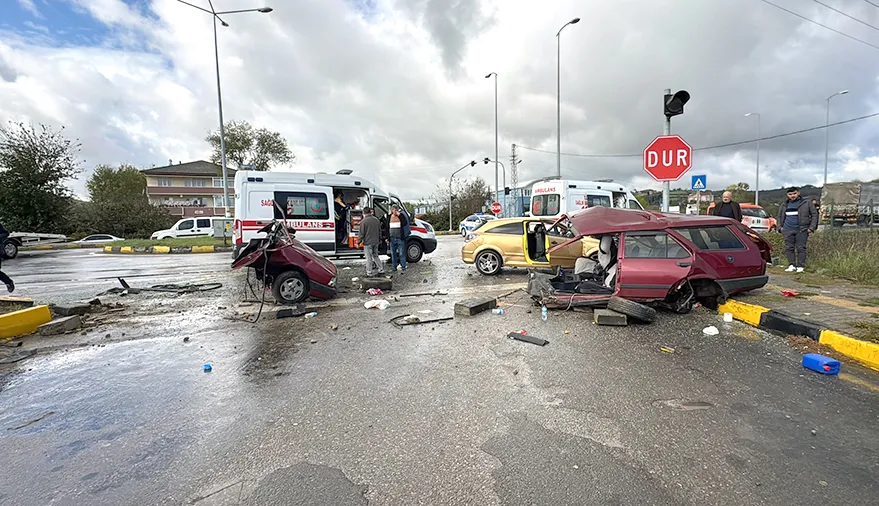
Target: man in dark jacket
{"type": "Point", "coordinates": [797, 219]}
{"type": "Point", "coordinates": [370, 238]}
{"type": "Point", "coordinates": [6, 280]}
{"type": "Point", "coordinates": [728, 208]}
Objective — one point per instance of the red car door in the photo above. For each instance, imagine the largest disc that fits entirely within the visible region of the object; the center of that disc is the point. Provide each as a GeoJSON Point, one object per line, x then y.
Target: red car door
{"type": "Point", "coordinates": [650, 264]}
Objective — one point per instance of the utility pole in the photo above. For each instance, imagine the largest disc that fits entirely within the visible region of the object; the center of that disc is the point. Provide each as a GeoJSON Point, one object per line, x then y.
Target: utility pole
{"type": "Point", "coordinates": [514, 180]}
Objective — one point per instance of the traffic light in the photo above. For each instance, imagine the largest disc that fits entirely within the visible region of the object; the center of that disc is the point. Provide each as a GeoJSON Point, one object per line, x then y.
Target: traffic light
{"type": "Point", "coordinates": [674, 104]}
{"type": "Point", "coordinates": [506, 190]}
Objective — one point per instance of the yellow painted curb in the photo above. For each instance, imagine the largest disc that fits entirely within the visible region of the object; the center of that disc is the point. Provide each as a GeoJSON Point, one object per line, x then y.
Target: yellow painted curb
{"type": "Point", "coordinates": [108, 249]}
{"type": "Point", "coordinates": [73, 245]}
{"type": "Point", "coordinates": [24, 322]}
{"type": "Point", "coordinates": [43, 247]}
{"type": "Point", "coordinates": [748, 313]}
{"type": "Point", "coordinates": [202, 249]}
{"type": "Point", "coordinates": [862, 351]}
{"type": "Point", "coordinates": [161, 249]}
{"type": "Point", "coordinates": [126, 249]}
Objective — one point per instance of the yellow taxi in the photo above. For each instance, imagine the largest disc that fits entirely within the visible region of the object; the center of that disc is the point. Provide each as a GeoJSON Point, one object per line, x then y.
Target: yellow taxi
{"type": "Point", "coordinates": [522, 242]}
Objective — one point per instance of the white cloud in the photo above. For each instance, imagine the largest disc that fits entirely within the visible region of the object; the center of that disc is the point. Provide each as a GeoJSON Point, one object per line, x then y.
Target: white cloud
{"type": "Point", "coordinates": [29, 6]}
{"type": "Point", "coordinates": [395, 89]}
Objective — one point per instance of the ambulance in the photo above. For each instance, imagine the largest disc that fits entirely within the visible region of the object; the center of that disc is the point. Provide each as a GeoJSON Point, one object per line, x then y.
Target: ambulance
{"type": "Point", "coordinates": [553, 197]}
{"type": "Point", "coordinates": [306, 203]}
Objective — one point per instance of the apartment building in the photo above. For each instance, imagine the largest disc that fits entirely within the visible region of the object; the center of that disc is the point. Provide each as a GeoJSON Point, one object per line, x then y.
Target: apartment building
{"type": "Point", "coordinates": [189, 189]}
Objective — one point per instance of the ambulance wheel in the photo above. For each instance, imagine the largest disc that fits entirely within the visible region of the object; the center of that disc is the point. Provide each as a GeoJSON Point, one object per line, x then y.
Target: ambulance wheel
{"type": "Point", "coordinates": [290, 287]}
{"type": "Point", "coordinates": [414, 251]}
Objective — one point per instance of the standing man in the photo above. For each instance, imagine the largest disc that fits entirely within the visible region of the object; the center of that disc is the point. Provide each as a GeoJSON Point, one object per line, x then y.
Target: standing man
{"type": "Point", "coordinates": [4, 234]}
{"type": "Point", "coordinates": [798, 219]}
{"type": "Point", "coordinates": [728, 208]}
{"type": "Point", "coordinates": [398, 230]}
{"type": "Point", "coordinates": [341, 219]}
{"type": "Point", "coordinates": [370, 237]}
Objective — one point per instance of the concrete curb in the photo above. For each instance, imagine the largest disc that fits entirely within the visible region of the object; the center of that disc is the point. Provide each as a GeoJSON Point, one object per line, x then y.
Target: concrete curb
{"type": "Point", "coordinates": [164, 250]}
{"type": "Point", "coordinates": [777, 321]}
{"type": "Point", "coordinates": [66, 245]}
{"type": "Point", "coordinates": [25, 321]}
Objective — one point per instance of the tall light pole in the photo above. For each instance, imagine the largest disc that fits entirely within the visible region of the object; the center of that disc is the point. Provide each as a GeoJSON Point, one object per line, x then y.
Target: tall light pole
{"type": "Point", "coordinates": [827, 132]}
{"type": "Point", "coordinates": [496, 162]}
{"type": "Point", "coordinates": [216, 16]}
{"type": "Point", "coordinates": [471, 163]}
{"type": "Point", "coordinates": [558, 156]}
{"type": "Point", "coordinates": [757, 183]}
{"type": "Point", "coordinates": [495, 127]}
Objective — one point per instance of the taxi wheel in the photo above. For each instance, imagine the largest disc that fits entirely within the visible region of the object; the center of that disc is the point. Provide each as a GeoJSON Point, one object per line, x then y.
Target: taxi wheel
{"type": "Point", "coordinates": [488, 263]}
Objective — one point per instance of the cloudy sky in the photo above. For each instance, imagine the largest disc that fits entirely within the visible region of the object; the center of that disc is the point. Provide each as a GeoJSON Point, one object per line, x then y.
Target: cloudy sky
{"type": "Point", "coordinates": [396, 89]}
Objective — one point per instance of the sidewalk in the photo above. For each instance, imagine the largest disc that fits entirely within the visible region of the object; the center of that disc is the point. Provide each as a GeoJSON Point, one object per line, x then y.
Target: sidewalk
{"type": "Point", "coordinates": [834, 304]}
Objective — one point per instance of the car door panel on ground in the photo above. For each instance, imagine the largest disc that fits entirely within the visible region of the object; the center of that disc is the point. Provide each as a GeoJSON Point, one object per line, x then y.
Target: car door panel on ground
{"type": "Point", "coordinates": [656, 260]}
{"type": "Point", "coordinates": [721, 250]}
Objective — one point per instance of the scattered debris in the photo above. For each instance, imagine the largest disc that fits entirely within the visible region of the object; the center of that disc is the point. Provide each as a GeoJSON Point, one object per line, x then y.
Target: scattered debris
{"type": "Point", "coordinates": [527, 339]}
{"type": "Point", "coordinates": [790, 293]}
{"type": "Point", "coordinates": [566, 332]}
{"type": "Point", "coordinates": [18, 356]}
{"type": "Point", "coordinates": [403, 320]}
{"type": "Point", "coordinates": [498, 310]}
{"type": "Point", "coordinates": [314, 341]}
{"type": "Point", "coordinates": [476, 305]}
{"type": "Point", "coordinates": [821, 363]}
{"type": "Point", "coordinates": [375, 291]}
{"type": "Point", "coordinates": [186, 339]}
{"type": "Point", "coordinates": [60, 326]}
{"type": "Point", "coordinates": [334, 327]}
{"type": "Point", "coordinates": [425, 311]}
{"type": "Point", "coordinates": [31, 422]}
{"type": "Point", "coordinates": [814, 432]}
{"type": "Point", "coordinates": [95, 302]}
{"type": "Point", "coordinates": [355, 279]}
{"type": "Point", "coordinates": [290, 312]}
{"type": "Point", "coordinates": [419, 294]}
{"type": "Point", "coordinates": [667, 349]}
{"type": "Point", "coordinates": [381, 304]}
{"type": "Point", "coordinates": [8, 302]}
{"type": "Point", "coordinates": [311, 314]}
{"type": "Point", "coordinates": [727, 317]}
{"type": "Point", "coordinates": [167, 288]}
{"type": "Point", "coordinates": [383, 284]}
{"type": "Point", "coordinates": [610, 317]}
{"type": "Point", "coordinates": [208, 367]}
{"type": "Point", "coordinates": [822, 483]}
{"type": "Point", "coordinates": [78, 310]}
{"type": "Point", "coordinates": [711, 330]}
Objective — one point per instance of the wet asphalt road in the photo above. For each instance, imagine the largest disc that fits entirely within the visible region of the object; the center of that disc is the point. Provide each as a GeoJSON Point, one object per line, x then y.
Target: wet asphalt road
{"type": "Point", "coordinates": [297, 413]}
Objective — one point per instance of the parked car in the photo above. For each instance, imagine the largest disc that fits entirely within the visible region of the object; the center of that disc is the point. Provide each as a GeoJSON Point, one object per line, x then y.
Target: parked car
{"type": "Point", "coordinates": [99, 239]}
{"type": "Point", "coordinates": [293, 270]}
{"type": "Point", "coordinates": [190, 227]}
{"type": "Point", "coordinates": [754, 217]}
{"type": "Point", "coordinates": [472, 222]}
{"type": "Point", "coordinates": [521, 242]}
{"type": "Point", "coordinates": [9, 247]}
{"type": "Point", "coordinates": [675, 260]}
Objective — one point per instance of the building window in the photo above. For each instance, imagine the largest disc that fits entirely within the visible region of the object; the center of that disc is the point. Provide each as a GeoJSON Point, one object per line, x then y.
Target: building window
{"type": "Point", "coordinates": [218, 201]}
{"type": "Point", "coordinates": [165, 181]}
{"type": "Point", "coordinates": [197, 183]}
{"type": "Point", "coordinates": [217, 182]}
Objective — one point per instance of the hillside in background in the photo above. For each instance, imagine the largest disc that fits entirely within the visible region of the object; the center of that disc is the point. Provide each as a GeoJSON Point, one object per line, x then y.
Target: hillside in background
{"type": "Point", "coordinates": [769, 199]}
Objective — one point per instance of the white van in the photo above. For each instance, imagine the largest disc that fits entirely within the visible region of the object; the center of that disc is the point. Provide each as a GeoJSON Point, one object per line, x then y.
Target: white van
{"type": "Point", "coordinates": [554, 197]}
{"type": "Point", "coordinates": [305, 202]}
{"type": "Point", "coordinates": [189, 227]}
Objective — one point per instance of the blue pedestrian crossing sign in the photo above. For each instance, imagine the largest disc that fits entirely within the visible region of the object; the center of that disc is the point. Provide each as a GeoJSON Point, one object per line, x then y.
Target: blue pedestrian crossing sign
{"type": "Point", "coordinates": [699, 182]}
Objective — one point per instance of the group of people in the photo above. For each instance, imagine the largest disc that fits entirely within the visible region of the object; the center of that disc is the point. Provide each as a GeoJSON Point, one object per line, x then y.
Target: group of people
{"type": "Point", "coordinates": [370, 237]}
{"type": "Point", "coordinates": [797, 218]}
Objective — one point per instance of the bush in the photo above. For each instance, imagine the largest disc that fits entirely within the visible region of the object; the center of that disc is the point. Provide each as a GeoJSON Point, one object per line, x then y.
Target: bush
{"type": "Point", "coordinates": [851, 254]}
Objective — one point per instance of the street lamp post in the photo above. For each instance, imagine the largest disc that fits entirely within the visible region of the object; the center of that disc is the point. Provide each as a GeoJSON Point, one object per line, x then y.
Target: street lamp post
{"type": "Point", "coordinates": [471, 163]}
{"type": "Point", "coordinates": [495, 127]}
{"type": "Point", "coordinates": [827, 132]}
{"type": "Point", "coordinates": [558, 158]}
{"type": "Point", "coordinates": [757, 183]}
{"type": "Point", "coordinates": [496, 162]}
{"type": "Point", "coordinates": [216, 16]}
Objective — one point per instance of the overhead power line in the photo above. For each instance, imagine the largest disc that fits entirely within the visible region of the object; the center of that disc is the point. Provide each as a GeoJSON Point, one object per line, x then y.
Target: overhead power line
{"type": "Point", "coordinates": [871, 3]}
{"type": "Point", "coordinates": [716, 146]}
{"type": "Point", "coordinates": [834, 9]}
{"type": "Point", "coordinates": [821, 25]}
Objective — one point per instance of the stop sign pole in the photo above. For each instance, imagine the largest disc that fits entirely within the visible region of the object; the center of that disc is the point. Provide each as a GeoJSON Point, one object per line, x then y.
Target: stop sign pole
{"type": "Point", "coordinates": [666, 186]}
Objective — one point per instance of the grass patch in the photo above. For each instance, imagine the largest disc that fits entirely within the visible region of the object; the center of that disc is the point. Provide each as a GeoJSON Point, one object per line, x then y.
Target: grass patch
{"type": "Point", "coordinates": [866, 330]}
{"type": "Point", "coordinates": [872, 301]}
{"type": "Point", "coordinates": [178, 242]}
{"type": "Point", "coordinates": [847, 254]}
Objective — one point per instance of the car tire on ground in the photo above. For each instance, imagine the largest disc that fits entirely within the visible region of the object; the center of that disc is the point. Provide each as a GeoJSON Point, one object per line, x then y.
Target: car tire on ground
{"type": "Point", "coordinates": [10, 250]}
{"type": "Point", "coordinates": [414, 251]}
{"type": "Point", "coordinates": [290, 287]}
{"type": "Point", "coordinates": [632, 308]}
{"type": "Point", "coordinates": [488, 263]}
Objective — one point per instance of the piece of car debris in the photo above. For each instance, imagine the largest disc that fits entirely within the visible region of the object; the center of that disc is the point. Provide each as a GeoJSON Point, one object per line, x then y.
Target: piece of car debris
{"type": "Point", "coordinates": [527, 339]}
{"type": "Point", "coordinates": [409, 319]}
{"type": "Point", "coordinates": [610, 317]}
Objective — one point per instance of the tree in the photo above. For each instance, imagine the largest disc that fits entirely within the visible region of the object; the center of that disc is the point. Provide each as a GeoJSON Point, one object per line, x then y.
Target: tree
{"type": "Point", "coordinates": [246, 145]}
{"type": "Point", "coordinates": [740, 192]}
{"type": "Point", "coordinates": [34, 167]}
{"type": "Point", "coordinates": [468, 197]}
{"type": "Point", "coordinates": [118, 205]}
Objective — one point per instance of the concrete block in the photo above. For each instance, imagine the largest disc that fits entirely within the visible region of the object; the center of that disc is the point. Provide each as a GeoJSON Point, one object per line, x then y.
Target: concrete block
{"type": "Point", "coordinates": [78, 310]}
{"type": "Point", "coordinates": [378, 282]}
{"type": "Point", "coordinates": [25, 321]}
{"type": "Point", "coordinates": [15, 303]}
{"type": "Point", "coordinates": [476, 305]}
{"type": "Point", "coordinates": [780, 322]}
{"type": "Point", "coordinates": [608, 317]}
{"type": "Point", "coordinates": [60, 325]}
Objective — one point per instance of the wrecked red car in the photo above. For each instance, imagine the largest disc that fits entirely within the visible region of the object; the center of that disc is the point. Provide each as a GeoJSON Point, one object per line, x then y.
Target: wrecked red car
{"type": "Point", "coordinates": [293, 270]}
{"type": "Point", "coordinates": [669, 260]}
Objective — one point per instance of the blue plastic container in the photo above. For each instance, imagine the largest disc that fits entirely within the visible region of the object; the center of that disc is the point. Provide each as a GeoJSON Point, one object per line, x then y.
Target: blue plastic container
{"type": "Point", "coordinates": [820, 363]}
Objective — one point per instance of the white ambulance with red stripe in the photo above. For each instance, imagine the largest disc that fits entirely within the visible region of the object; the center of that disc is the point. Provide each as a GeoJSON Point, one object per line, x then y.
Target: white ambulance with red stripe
{"type": "Point", "coordinates": [307, 203]}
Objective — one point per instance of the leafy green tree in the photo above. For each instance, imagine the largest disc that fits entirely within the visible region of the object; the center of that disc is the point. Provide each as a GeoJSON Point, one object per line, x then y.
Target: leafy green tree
{"type": "Point", "coordinates": [468, 197]}
{"type": "Point", "coordinates": [260, 148]}
{"type": "Point", "coordinates": [741, 192]}
{"type": "Point", "coordinates": [35, 164]}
